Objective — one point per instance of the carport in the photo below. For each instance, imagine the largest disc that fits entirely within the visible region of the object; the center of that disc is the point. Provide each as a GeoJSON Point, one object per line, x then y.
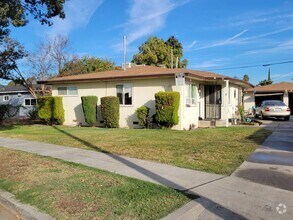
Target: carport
{"type": "Point", "coordinates": [282, 91]}
{"type": "Point", "coordinates": [259, 97]}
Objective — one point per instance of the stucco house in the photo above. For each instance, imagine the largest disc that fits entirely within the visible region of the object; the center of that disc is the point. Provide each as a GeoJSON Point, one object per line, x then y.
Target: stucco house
{"type": "Point", "coordinates": [204, 96]}
{"type": "Point", "coordinates": [282, 91]}
{"type": "Point", "coordinates": [17, 95]}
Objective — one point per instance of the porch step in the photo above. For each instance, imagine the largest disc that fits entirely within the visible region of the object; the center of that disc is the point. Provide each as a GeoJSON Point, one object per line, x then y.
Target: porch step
{"type": "Point", "coordinates": [211, 123]}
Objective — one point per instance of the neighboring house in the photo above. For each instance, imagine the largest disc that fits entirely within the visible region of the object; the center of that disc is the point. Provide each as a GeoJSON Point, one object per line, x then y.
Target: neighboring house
{"type": "Point", "coordinates": [203, 95]}
{"type": "Point", "coordinates": [17, 95]}
{"type": "Point", "coordinates": [279, 91]}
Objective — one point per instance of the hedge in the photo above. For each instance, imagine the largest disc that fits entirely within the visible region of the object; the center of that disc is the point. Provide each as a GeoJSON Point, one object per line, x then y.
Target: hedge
{"type": "Point", "coordinates": [89, 106]}
{"type": "Point", "coordinates": [110, 111]}
{"type": "Point", "coordinates": [167, 106]}
{"type": "Point", "coordinates": [142, 115]}
{"type": "Point", "coordinates": [50, 110]}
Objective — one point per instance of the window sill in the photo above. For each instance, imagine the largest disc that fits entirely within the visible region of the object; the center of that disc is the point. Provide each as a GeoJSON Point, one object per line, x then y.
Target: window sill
{"type": "Point", "coordinates": [126, 105]}
{"type": "Point", "coordinates": [191, 105]}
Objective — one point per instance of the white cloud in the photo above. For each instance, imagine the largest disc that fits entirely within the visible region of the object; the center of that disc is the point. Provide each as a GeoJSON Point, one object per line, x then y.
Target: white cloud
{"type": "Point", "coordinates": [78, 14]}
{"type": "Point", "coordinates": [210, 63]}
{"type": "Point", "coordinates": [229, 41]}
{"type": "Point", "coordinates": [148, 16]}
{"type": "Point", "coordinates": [281, 47]}
{"type": "Point", "coordinates": [192, 44]}
{"type": "Point", "coordinates": [280, 76]}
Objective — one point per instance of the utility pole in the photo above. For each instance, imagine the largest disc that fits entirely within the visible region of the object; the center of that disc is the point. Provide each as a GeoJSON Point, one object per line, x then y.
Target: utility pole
{"type": "Point", "coordinates": [177, 60]}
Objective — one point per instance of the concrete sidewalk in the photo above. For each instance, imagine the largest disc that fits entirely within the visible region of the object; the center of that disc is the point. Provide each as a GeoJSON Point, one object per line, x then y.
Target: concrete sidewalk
{"type": "Point", "coordinates": [221, 197]}
{"type": "Point", "coordinates": [171, 176]}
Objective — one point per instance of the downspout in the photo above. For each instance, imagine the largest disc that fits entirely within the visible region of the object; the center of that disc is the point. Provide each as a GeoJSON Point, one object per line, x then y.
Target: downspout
{"type": "Point", "coordinates": [227, 102]}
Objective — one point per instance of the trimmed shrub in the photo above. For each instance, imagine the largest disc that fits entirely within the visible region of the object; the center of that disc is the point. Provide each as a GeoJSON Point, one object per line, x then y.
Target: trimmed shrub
{"type": "Point", "coordinates": [167, 106]}
{"type": "Point", "coordinates": [89, 106]}
{"type": "Point", "coordinates": [50, 110]}
{"type": "Point", "coordinates": [142, 115]}
{"type": "Point", "coordinates": [110, 111]}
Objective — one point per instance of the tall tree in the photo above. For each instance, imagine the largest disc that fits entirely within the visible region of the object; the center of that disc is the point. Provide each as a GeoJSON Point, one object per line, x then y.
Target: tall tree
{"type": "Point", "coordinates": [15, 13]}
{"type": "Point", "coordinates": [153, 52]}
{"type": "Point", "coordinates": [86, 64]}
{"type": "Point", "coordinates": [156, 52]}
{"type": "Point", "coordinates": [41, 62]}
{"type": "Point", "coordinates": [59, 51]}
{"type": "Point", "coordinates": [177, 48]}
{"type": "Point", "coordinates": [246, 78]}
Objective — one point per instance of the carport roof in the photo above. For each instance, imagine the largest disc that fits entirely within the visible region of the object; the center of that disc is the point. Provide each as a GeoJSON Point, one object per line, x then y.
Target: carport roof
{"type": "Point", "coordinates": [277, 87]}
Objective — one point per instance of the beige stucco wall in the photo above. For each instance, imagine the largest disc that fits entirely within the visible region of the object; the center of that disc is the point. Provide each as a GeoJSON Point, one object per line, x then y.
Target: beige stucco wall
{"type": "Point", "coordinates": [286, 98]}
{"type": "Point", "coordinates": [249, 102]}
{"type": "Point", "coordinates": [143, 92]}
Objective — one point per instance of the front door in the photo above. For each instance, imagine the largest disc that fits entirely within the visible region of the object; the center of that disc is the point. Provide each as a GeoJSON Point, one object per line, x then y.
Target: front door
{"type": "Point", "coordinates": [213, 101]}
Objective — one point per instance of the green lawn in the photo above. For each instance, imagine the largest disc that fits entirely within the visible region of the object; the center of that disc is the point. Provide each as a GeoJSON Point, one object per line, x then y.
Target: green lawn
{"type": "Point", "coordinates": [216, 150]}
{"type": "Point", "coordinates": [70, 191]}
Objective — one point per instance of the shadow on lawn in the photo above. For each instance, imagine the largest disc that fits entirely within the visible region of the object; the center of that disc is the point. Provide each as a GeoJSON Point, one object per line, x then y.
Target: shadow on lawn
{"type": "Point", "coordinates": [259, 136]}
{"type": "Point", "coordinates": [224, 213]}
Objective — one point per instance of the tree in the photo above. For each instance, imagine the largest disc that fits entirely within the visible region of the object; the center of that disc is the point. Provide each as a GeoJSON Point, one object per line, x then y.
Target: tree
{"type": "Point", "coordinates": [265, 82]}
{"type": "Point", "coordinates": [153, 52]}
{"type": "Point", "coordinates": [86, 64]}
{"type": "Point", "coordinates": [59, 51]}
{"type": "Point", "coordinates": [48, 59]}
{"type": "Point", "coordinates": [15, 13]}
{"type": "Point", "coordinates": [156, 52]}
{"type": "Point", "coordinates": [246, 78]}
{"type": "Point", "coordinates": [177, 48]}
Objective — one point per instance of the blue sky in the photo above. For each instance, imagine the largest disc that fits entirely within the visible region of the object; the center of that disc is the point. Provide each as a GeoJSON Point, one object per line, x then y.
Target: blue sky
{"type": "Point", "coordinates": [215, 34]}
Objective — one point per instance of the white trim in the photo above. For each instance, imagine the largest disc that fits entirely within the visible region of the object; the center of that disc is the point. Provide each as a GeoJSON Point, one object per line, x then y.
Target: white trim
{"type": "Point", "coordinates": [30, 101]}
{"type": "Point", "coordinates": [123, 94]}
{"type": "Point", "coordinates": [4, 100]}
{"type": "Point", "coordinates": [191, 102]}
{"type": "Point", "coordinates": [67, 95]}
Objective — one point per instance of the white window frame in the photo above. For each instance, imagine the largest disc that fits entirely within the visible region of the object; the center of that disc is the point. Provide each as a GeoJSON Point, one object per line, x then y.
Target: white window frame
{"type": "Point", "coordinates": [191, 101]}
{"type": "Point", "coordinates": [123, 93]}
{"type": "Point", "coordinates": [67, 89]}
{"type": "Point", "coordinates": [5, 97]}
{"type": "Point", "coordinates": [30, 101]}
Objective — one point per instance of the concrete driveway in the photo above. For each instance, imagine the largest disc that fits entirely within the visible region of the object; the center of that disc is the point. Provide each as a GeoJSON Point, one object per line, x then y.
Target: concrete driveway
{"type": "Point", "coordinates": [272, 163]}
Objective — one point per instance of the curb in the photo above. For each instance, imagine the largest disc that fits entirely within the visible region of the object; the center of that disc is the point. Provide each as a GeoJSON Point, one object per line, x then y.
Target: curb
{"type": "Point", "coordinates": [21, 211]}
{"type": "Point", "coordinates": [191, 210]}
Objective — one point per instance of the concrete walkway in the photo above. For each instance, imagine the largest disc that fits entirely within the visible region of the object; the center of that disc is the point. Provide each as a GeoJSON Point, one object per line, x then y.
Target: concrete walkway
{"type": "Point", "coordinates": [272, 163]}
{"type": "Point", "coordinates": [221, 197]}
{"type": "Point", "coordinates": [171, 176]}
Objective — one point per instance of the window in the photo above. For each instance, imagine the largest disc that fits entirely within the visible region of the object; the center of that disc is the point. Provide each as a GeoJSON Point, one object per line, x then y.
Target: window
{"type": "Point", "coordinates": [239, 96]}
{"type": "Point", "coordinates": [70, 90]}
{"type": "Point", "coordinates": [191, 94]}
{"type": "Point", "coordinates": [6, 98]}
{"type": "Point", "coordinates": [30, 102]}
{"type": "Point", "coordinates": [124, 93]}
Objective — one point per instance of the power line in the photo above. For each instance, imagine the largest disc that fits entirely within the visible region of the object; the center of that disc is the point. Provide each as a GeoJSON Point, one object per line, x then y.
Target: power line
{"type": "Point", "coordinates": [250, 66]}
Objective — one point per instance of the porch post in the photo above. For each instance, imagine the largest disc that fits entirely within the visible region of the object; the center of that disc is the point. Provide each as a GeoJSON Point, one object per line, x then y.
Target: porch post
{"type": "Point", "coordinates": [227, 102]}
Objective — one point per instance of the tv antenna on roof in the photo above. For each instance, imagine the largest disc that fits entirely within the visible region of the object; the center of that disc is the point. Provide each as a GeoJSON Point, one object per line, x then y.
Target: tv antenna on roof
{"type": "Point", "coordinates": [124, 52]}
